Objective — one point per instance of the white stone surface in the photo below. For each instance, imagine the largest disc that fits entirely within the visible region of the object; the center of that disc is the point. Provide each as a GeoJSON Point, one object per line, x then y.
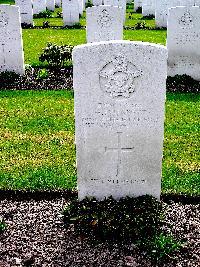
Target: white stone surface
{"type": "Point", "coordinates": [81, 6]}
{"type": "Point", "coordinates": [58, 3]}
{"type": "Point", "coordinates": [183, 41]}
{"type": "Point", "coordinates": [51, 5]}
{"type": "Point", "coordinates": [119, 91]}
{"type": "Point", "coordinates": [26, 11]}
{"type": "Point", "coordinates": [148, 7]}
{"type": "Point", "coordinates": [161, 11]}
{"type": "Point", "coordinates": [39, 6]}
{"type": "Point", "coordinates": [137, 4]}
{"type": "Point", "coordinates": [70, 12]}
{"type": "Point", "coordinates": [104, 23]}
{"type": "Point", "coordinates": [97, 2]}
{"type": "Point", "coordinates": [11, 46]}
{"type": "Point", "coordinates": [119, 3]}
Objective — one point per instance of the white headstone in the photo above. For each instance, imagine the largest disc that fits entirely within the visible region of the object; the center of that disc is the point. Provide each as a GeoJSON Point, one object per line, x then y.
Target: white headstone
{"type": "Point", "coordinates": [26, 11]}
{"type": "Point", "coordinates": [97, 2]}
{"type": "Point", "coordinates": [39, 6]}
{"type": "Point", "coordinates": [119, 91]}
{"type": "Point", "coordinates": [81, 6]}
{"type": "Point", "coordinates": [119, 3]}
{"type": "Point", "coordinates": [183, 41]}
{"type": "Point", "coordinates": [11, 46]}
{"type": "Point", "coordinates": [161, 11]}
{"type": "Point", "coordinates": [70, 12]}
{"type": "Point", "coordinates": [104, 23]}
{"type": "Point", "coordinates": [51, 5]}
{"type": "Point", "coordinates": [58, 3]}
{"type": "Point", "coordinates": [148, 7]}
{"type": "Point", "coordinates": [137, 4]}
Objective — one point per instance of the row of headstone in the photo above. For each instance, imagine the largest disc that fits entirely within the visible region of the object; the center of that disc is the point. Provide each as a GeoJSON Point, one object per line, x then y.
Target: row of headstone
{"type": "Point", "coordinates": [159, 8]}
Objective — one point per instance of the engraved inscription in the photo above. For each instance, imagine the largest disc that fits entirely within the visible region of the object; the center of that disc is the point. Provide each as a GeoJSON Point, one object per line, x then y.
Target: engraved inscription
{"type": "Point", "coordinates": [3, 59]}
{"type": "Point", "coordinates": [118, 115]}
{"type": "Point", "coordinates": [117, 181]}
{"type": "Point", "coordinates": [104, 19]}
{"type": "Point", "coordinates": [117, 78]}
{"type": "Point", "coordinates": [186, 20]}
{"type": "Point", "coordinates": [3, 19]}
{"type": "Point", "coordinates": [119, 150]}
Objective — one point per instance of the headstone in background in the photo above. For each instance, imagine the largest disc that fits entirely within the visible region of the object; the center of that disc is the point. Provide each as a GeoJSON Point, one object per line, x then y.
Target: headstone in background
{"type": "Point", "coordinates": [161, 11]}
{"type": "Point", "coordinates": [51, 5]}
{"type": "Point", "coordinates": [70, 12]}
{"type": "Point", "coordinates": [26, 11]}
{"type": "Point", "coordinates": [119, 91]}
{"type": "Point", "coordinates": [39, 6]}
{"type": "Point", "coordinates": [11, 46]}
{"type": "Point", "coordinates": [137, 4]}
{"type": "Point", "coordinates": [58, 3]}
{"type": "Point", "coordinates": [148, 7]}
{"type": "Point", "coordinates": [97, 2]}
{"type": "Point", "coordinates": [183, 41]}
{"type": "Point", "coordinates": [104, 23]}
{"type": "Point", "coordinates": [119, 3]}
{"type": "Point", "coordinates": [81, 6]}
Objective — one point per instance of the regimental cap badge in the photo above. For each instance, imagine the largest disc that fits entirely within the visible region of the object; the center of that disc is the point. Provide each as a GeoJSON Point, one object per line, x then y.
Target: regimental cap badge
{"type": "Point", "coordinates": [117, 77]}
{"type": "Point", "coordinates": [3, 19]}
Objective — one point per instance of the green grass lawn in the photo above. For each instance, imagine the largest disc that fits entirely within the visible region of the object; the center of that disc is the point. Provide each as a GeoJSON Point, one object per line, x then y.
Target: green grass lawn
{"type": "Point", "coordinates": [37, 141]}
{"type": "Point", "coordinates": [37, 128]}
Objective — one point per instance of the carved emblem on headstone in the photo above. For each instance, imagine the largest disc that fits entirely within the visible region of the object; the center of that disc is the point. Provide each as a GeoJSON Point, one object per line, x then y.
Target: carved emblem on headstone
{"type": "Point", "coordinates": [117, 77]}
{"type": "Point", "coordinates": [186, 20]}
{"type": "Point", "coordinates": [104, 19]}
{"type": "Point", "coordinates": [3, 19]}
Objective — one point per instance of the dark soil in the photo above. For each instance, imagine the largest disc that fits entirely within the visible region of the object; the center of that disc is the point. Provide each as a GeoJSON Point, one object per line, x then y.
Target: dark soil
{"type": "Point", "coordinates": [56, 80]}
{"type": "Point", "coordinates": [36, 236]}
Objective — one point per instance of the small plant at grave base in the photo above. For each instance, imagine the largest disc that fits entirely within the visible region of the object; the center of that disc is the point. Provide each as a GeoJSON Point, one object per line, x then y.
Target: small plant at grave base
{"type": "Point", "coordinates": [45, 24]}
{"type": "Point", "coordinates": [2, 225]}
{"type": "Point", "coordinates": [128, 218]}
{"type": "Point", "coordinates": [42, 74]}
{"type": "Point", "coordinates": [139, 10]}
{"type": "Point", "coordinates": [161, 247]}
{"type": "Point", "coordinates": [140, 25]}
{"type": "Point", "coordinates": [74, 26]}
{"type": "Point", "coordinates": [59, 14]}
{"type": "Point", "coordinates": [8, 77]}
{"type": "Point", "coordinates": [149, 17]}
{"type": "Point", "coordinates": [44, 14]}
{"type": "Point", "coordinates": [182, 83]}
{"type": "Point", "coordinates": [26, 26]}
{"type": "Point", "coordinates": [56, 56]}
{"type": "Point", "coordinates": [88, 4]}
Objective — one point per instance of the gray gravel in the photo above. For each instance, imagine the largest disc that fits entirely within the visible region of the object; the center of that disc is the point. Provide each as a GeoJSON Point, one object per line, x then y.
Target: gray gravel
{"type": "Point", "coordinates": [36, 237]}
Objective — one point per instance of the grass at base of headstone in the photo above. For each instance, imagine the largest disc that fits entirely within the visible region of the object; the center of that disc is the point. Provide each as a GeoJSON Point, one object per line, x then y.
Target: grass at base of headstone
{"type": "Point", "coordinates": [9, 2]}
{"type": "Point", "coordinates": [136, 220]}
{"type": "Point", "coordinates": [36, 40]}
{"type": "Point", "coordinates": [181, 161]}
{"type": "Point", "coordinates": [37, 148]}
{"type": "Point", "coordinates": [37, 140]}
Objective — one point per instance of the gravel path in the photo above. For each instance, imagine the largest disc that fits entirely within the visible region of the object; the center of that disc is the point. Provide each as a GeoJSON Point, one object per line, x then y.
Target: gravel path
{"type": "Point", "coordinates": [36, 237]}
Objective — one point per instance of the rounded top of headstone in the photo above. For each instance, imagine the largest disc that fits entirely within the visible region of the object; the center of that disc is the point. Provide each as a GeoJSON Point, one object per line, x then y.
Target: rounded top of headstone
{"type": "Point", "coordinates": [120, 43]}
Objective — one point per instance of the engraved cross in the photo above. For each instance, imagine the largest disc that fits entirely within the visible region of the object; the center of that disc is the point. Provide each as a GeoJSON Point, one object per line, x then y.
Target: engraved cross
{"type": "Point", "coordinates": [119, 150]}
